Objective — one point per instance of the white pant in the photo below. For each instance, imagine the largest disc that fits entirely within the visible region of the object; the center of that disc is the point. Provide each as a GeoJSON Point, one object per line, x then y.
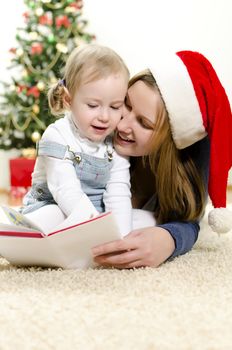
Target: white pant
{"type": "Point", "coordinates": [50, 216]}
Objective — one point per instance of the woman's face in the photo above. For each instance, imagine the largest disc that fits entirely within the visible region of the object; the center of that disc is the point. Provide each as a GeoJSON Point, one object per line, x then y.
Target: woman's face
{"type": "Point", "coordinates": [135, 129]}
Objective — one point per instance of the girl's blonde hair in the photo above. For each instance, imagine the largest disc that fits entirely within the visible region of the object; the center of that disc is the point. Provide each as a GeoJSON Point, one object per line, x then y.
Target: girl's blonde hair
{"type": "Point", "coordinates": [179, 189]}
{"type": "Point", "coordinates": [85, 64]}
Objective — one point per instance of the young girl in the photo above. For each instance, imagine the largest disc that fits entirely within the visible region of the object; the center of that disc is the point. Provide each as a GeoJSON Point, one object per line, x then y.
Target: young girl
{"type": "Point", "coordinates": [77, 167]}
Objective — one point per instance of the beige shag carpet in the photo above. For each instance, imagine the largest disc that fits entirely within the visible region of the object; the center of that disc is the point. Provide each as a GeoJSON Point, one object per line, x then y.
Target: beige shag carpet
{"type": "Point", "coordinates": [184, 304]}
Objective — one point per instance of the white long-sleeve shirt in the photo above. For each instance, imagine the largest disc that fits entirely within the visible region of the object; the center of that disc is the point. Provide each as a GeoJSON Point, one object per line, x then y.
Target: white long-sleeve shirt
{"type": "Point", "coordinates": [65, 186]}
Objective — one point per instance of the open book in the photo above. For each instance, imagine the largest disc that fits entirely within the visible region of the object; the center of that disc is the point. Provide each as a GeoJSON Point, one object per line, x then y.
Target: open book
{"type": "Point", "coordinates": [68, 245]}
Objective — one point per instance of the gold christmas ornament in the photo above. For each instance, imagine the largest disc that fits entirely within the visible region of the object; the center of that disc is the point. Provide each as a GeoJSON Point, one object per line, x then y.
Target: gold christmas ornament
{"type": "Point", "coordinates": [19, 52]}
{"type": "Point", "coordinates": [62, 48]}
{"type": "Point", "coordinates": [24, 73]}
{"type": "Point", "coordinates": [79, 41]}
{"type": "Point", "coordinates": [33, 35]}
{"type": "Point", "coordinates": [53, 80]}
{"type": "Point", "coordinates": [35, 109]}
{"type": "Point", "coordinates": [70, 9]}
{"type": "Point", "coordinates": [12, 88]}
{"type": "Point", "coordinates": [35, 136]}
{"type": "Point", "coordinates": [41, 85]}
{"type": "Point", "coordinates": [39, 11]}
{"type": "Point", "coordinates": [29, 153]}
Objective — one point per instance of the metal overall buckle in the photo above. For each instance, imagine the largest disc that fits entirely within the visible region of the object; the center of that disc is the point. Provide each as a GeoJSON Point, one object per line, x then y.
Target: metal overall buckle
{"type": "Point", "coordinates": [76, 157]}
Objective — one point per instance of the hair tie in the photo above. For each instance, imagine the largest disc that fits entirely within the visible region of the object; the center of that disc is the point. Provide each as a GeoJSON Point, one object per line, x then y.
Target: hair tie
{"type": "Point", "coordinates": [62, 82]}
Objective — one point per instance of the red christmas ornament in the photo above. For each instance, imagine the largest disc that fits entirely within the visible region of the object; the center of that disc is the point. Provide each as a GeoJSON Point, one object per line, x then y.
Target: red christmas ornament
{"type": "Point", "coordinates": [13, 50]}
{"type": "Point", "coordinates": [20, 88]}
{"type": "Point", "coordinates": [62, 21]}
{"type": "Point", "coordinates": [77, 5]}
{"type": "Point", "coordinates": [36, 49]}
{"type": "Point", "coordinates": [45, 20]}
{"type": "Point", "coordinates": [80, 4]}
{"type": "Point", "coordinates": [26, 16]}
{"type": "Point", "coordinates": [34, 91]}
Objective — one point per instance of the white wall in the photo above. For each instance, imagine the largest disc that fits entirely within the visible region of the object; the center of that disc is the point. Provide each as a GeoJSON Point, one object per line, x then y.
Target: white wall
{"type": "Point", "coordinates": [10, 18]}
{"type": "Point", "coordinates": [138, 29]}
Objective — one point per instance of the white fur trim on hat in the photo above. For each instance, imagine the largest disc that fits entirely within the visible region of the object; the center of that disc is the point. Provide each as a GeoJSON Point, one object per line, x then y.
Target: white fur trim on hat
{"type": "Point", "coordinates": [220, 220]}
{"type": "Point", "coordinates": [180, 100]}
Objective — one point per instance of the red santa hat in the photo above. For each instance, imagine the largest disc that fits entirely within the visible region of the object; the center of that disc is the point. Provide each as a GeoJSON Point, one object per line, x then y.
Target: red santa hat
{"type": "Point", "coordinates": [197, 105]}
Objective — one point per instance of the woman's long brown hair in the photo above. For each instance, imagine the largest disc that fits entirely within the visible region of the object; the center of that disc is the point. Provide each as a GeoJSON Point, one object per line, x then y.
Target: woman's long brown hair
{"type": "Point", "coordinates": [178, 189]}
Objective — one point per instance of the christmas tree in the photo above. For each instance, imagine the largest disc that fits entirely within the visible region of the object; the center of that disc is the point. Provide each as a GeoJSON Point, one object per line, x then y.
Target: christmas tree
{"type": "Point", "coordinates": [52, 29]}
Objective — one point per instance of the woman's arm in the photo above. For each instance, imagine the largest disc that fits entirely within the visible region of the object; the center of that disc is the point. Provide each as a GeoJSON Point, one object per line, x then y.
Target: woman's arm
{"type": "Point", "coordinates": [184, 234]}
{"type": "Point", "coordinates": [150, 246]}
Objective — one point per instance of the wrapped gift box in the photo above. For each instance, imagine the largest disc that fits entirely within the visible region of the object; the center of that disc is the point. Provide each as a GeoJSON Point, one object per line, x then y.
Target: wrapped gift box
{"type": "Point", "coordinates": [20, 174]}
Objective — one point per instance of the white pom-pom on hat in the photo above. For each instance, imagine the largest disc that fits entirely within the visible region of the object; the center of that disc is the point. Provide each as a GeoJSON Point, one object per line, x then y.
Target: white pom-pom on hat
{"type": "Point", "coordinates": [220, 220]}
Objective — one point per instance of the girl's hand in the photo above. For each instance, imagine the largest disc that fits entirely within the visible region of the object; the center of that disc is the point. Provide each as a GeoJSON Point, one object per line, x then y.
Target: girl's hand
{"type": "Point", "coordinates": [149, 246]}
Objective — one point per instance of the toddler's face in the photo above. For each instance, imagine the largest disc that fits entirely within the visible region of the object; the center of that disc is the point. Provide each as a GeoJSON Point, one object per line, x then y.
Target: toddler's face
{"type": "Point", "coordinates": [97, 106]}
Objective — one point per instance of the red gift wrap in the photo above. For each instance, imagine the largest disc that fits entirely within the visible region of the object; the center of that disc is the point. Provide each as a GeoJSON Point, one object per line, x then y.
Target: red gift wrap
{"type": "Point", "coordinates": [20, 172]}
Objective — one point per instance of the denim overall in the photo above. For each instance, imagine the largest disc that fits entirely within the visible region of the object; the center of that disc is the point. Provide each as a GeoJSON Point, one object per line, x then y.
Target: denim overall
{"type": "Point", "coordinates": [93, 173]}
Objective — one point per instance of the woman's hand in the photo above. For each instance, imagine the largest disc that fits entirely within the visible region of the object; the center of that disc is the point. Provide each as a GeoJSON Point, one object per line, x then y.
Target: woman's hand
{"type": "Point", "coordinates": [149, 246]}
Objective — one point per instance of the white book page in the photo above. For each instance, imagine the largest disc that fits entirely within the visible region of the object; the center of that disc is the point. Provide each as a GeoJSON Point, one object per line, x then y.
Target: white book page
{"type": "Point", "coordinates": [12, 217]}
{"type": "Point", "coordinates": [70, 221]}
{"type": "Point", "coordinates": [73, 246]}
{"type": "Point", "coordinates": [13, 228]}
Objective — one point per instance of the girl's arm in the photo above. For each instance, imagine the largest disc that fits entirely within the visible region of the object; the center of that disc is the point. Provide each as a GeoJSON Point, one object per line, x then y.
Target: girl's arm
{"type": "Point", "coordinates": [66, 189]}
{"type": "Point", "coordinates": [117, 197]}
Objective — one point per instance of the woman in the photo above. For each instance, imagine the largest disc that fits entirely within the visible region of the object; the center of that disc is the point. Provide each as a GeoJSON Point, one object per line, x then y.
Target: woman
{"type": "Point", "coordinates": [166, 119]}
